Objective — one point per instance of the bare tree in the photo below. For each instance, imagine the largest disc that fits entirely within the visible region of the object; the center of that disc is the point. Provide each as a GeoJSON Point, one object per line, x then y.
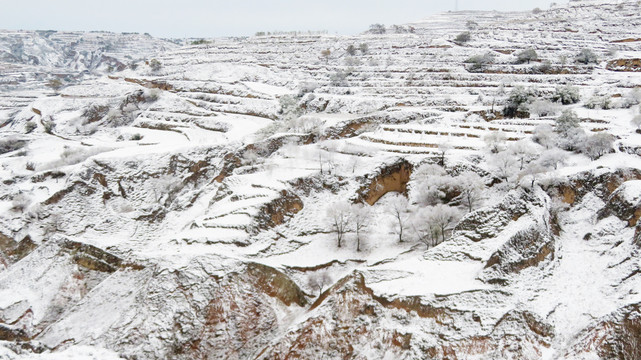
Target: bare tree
{"type": "Point", "coordinates": [443, 149]}
{"type": "Point", "coordinates": [361, 216]}
{"type": "Point", "coordinates": [338, 216]}
{"type": "Point", "coordinates": [471, 186]}
{"type": "Point", "coordinates": [504, 165]}
{"type": "Point", "coordinates": [399, 209]}
{"type": "Point", "coordinates": [544, 135]}
{"type": "Point", "coordinates": [442, 218]}
{"type": "Point", "coordinates": [523, 152]}
{"type": "Point", "coordinates": [425, 232]}
{"type": "Point", "coordinates": [495, 141]}
{"type": "Point", "coordinates": [598, 145]}
{"type": "Point", "coordinates": [552, 158]}
{"type": "Point", "coordinates": [325, 54]}
{"type": "Point", "coordinates": [319, 281]}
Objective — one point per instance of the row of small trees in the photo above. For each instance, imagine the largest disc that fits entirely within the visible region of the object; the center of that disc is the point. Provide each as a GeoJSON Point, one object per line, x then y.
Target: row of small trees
{"type": "Point", "coordinates": [481, 61]}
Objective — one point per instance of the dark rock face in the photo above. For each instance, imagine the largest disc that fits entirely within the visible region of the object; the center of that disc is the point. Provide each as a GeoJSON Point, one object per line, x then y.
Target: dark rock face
{"type": "Point", "coordinates": [391, 178]}
{"type": "Point", "coordinates": [12, 251]}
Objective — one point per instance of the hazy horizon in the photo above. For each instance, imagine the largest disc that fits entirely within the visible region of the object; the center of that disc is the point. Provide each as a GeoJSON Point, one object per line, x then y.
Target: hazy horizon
{"type": "Point", "coordinates": [200, 19]}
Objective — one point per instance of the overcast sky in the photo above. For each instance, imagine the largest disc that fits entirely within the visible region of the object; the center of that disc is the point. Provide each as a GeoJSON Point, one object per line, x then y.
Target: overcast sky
{"type": "Point", "coordinates": [201, 18]}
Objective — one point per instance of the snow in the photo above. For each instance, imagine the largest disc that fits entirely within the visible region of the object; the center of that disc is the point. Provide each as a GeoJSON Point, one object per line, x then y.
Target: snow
{"type": "Point", "coordinates": [414, 93]}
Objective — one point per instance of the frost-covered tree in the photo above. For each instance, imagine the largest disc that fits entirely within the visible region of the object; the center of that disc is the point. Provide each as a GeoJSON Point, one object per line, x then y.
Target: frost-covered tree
{"type": "Point", "coordinates": [495, 141]}
{"type": "Point", "coordinates": [364, 48]}
{"type": "Point", "coordinates": [250, 157]}
{"type": "Point", "coordinates": [399, 210]}
{"type": "Point", "coordinates": [597, 145]}
{"type": "Point", "coordinates": [155, 65]}
{"type": "Point", "coordinates": [351, 50]}
{"type": "Point", "coordinates": [545, 136]}
{"type": "Point", "coordinates": [526, 56]}
{"type": "Point", "coordinates": [361, 217]}
{"type": "Point", "coordinates": [443, 149]}
{"type": "Point", "coordinates": [567, 95]}
{"type": "Point", "coordinates": [598, 101]}
{"type": "Point", "coordinates": [518, 101]}
{"type": "Point", "coordinates": [326, 54]}
{"type": "Point", "coordinates": [338, 217]}
{"type": "Point", "coordinates": [636, 121]}
{"type": "Point", "coordinates": [377, 29]}
{"type": "Point", "coordinates": [531, 172]}
{"type": "Point", "coordinates": [338, 78]}
{"type": "Point", "coordinates": [463, 37]}
{"type": "Point", "coordinates": [552, 158]}
{"type": "Point", "coordinates": [480, 62]}
{"type": "Point", "coordinates": [568, 120]}
{"type": "Point", "coordinates": [572, 140]}
{"type": "Point", "coordinates": [289, 108]}
{"type": "Point", "coordinates": [586, 56]}
{"type": "Point", "coordinates": [431, 185]}
{"type": "Point", "coordinates": [543, 108]}
{"type": "Point", "coordinates": [523, 152]}
{"type": "Point", "coordinates": [55, 84]}
{"type": "Point", "coordinates": [471, 187]}
{"type": "Point", "coordinates": [442, 218]}
{"type": "Point", "coordinates": [504, 166]}
{"type": "Point", "coordinates": [424, 231]}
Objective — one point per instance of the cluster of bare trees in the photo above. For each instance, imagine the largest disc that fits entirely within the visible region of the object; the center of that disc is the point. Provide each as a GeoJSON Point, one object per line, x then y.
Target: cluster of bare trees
{"type": "Point", "coordinates": [344, 217]}
{"type": "Point", "coordinates": [438, 201]}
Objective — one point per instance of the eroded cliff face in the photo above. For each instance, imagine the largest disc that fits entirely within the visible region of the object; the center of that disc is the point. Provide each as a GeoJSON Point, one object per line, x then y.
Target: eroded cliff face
{"type": "Point", "coordinates": [388, 178]}
{"type": "Point", "coordinates": [217, 307]}
{"type": "Point", "coordinates": [180, 211]}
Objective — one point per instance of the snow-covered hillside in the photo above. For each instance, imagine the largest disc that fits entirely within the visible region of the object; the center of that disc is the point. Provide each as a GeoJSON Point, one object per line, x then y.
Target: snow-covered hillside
{"type": "Point", "coordinates": [163, 201]}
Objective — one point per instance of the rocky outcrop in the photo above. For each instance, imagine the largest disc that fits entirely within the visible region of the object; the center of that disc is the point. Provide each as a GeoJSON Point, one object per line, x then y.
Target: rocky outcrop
{"type": "Point", "coordinates": [616, 336]}
{"type": "Point", "coordinates": [279, 210]}
{"type": "Point", "coordinates": [624, 203]}
{"type": "Point", "coordinates": [602, 182]}
{"type": "Point", "coordinates": [389, 178]}
{"type": "Point", "coordinates": [349, 321]}
{"type": "Point", "coordinates": [526, 248]}
{"type": "Point", "coordinates": [488, 222]}
{"type": "Point", "coordinates": [12, 251]}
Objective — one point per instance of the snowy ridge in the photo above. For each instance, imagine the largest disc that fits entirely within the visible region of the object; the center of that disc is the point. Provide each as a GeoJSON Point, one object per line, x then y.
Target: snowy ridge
{"type": "Point", "coordinates": [180, 205]}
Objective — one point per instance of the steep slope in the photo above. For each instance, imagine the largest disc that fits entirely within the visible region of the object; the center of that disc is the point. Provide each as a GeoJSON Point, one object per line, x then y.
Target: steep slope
{"type": "Point", "coordinates": [182, 208]}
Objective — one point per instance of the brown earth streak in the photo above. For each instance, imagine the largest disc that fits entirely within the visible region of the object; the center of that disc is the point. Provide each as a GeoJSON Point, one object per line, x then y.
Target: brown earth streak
{"type": "Point", "coordinates": [390, 178]}
{"type": "Point", "coordinates": [628, 65]}
{"type": "Point", "coordinates": [151, 84]}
